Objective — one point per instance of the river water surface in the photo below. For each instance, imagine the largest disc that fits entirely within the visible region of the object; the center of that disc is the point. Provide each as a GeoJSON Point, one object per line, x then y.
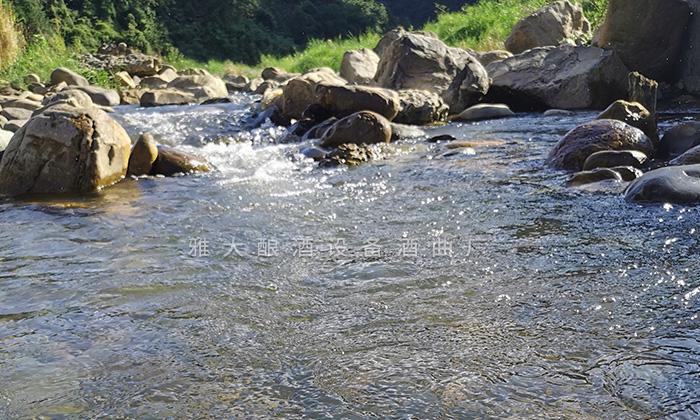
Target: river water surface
{"type": "Point", "coordinates": [433, 283]}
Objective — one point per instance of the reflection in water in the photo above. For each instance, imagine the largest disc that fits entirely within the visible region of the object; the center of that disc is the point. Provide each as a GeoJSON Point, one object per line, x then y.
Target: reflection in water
{"type": "Point", "coordinates": [552, 302]}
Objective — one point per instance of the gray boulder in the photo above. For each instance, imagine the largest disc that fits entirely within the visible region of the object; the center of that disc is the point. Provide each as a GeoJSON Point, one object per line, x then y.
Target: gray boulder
{"type": "Point", "coordinates": [579, 144]}
{"type": "Point", "coordinates": [613, 158]}
{"type": "Point", "coordinates": [680, 139]}
{"type": "Point", "coordinates": [359, 66]}
{"type": "Point", "coordinates": [564, 77]}
{"type": "Point", "coordinates": [360, 128]}
{"type": "Point", "coordinates": [201, 87]}
{"type": "Point", "coordinates": [69, 77]}
{"type": "Point", "coordinates": [557, 23]}
{"type": "Point", "coordinates": [484, 112]}
{"type": "Point", "coordinates": [673, 184]}
{"type": "Point", "coordinates": [421, 107]}
{"type": "Point", "coordinates": [469, 86]}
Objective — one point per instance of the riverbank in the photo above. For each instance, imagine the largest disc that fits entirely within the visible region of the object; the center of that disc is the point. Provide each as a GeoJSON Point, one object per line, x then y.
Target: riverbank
{"type": "Point", "coordinates": [482, 27]}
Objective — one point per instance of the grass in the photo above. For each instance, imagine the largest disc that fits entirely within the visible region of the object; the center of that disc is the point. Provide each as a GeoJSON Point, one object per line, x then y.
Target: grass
{"type": "Point", "coordinates": [43, 55]}
{"type": "Point", "coordinates": [9, 35]}
{"type": "Point", "coordinates": [482, 26]}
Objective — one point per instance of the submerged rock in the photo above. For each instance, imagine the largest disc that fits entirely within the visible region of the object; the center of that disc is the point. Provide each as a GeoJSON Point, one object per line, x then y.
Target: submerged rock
{"type": "Point", "coordinates": [484, 112]}
{"type": "Point", "coordinates": [634, 114]}
{"type": "Point", "coordinates": [595, 175]}
{"type": "Point", "coordinates": [64, 150]}
{"type": "Point", "coordinates": [596, 136]}
{"type": "Point", "coordinates": [557, 23]}
{"type": "Point", "coordinates": [674, 184]}
{"type": "Point", "coordinates": [171, 162]}
{"type": "Point", "coordinates": [360, 128]}
{"type": "Point", "coordinates": [680, 139]}
{"type": "Point", "coordinates": [351, 155]}
{"type": "Point", "coordinates": [613, 158]}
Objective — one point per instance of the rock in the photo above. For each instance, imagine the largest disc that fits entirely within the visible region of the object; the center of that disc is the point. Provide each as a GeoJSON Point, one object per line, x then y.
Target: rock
{"type": "Point", "coordinates": [646, 34]}
{"type": "Point", "coordinates": [143, 155]}
{"type": "Point", "coordinates": [254, 84]}
{"type": "Point", "coordinates": [417, 61]}
{"type": "Point", "coordinates": [166, 97]}
{"type": "Point", "coordinates": [317, 131]}
{"type": "Point", "coordinates": [71, 98]}
{"type": "Point", "coordinates": [643, 90]}
{"type": "Point", "coordinates": [484, 112]}
{"type": "Point", "coordinates": [690, 157]}
{"type": "Point", "coordinates": [171, 162]}
{"type": "Point", "coordinates": [405, 132]}
{"type": "Point", "coordinates": [563, 77]}
{"type": "Point", "coordinates": [101, 96]}
{"type": "Point", "coordinates": [277, 75]}
{"type": "Point", "coordinates": [673, 184]}
{"type": "Point", "coordinates": [420, 107]}
{"type": "Point", "coordinates": [558, 113]}
{"type": "Point", "coordinates": [596, 136]}
{"type": "Point", "coordinates": [628, 173]}
{"type": "Point", "coordinates": [78, 150]}
{"type": "Point", "coordinates": [364, 127]}
{"type": "Point", "coordinates": [590, 177]}
{"type": "Point", "coordinates": [32, 78]}
{"type": "Point", "coordinates": [69, 77]}
{"type": "Point", "coordinates": [16, 113]}
{"type": "Point", "coordinates": [138, 64]}
{"type": "Point", "coordinates": [680, 139]}
{"type": "Point", "coordinates": [266, 86]}
{"type": "Point", "coordinates": [313, 153]}
{"type": "Point", "coordinates": [14, 125]}
{"type": "Point", "coordinates": [342, 101]}
{"type": "Point", "coordinates": [236, 83]}
{"type": "Point", "coordinates": [497, 55]}
{"type": "Point", "coordinates": [468, 87]}
{"type": "Point", "coordinates": [3, 121]}
{"type": "Point", "coordinates": [202, 87]}
{"type": "Point", "coordinates": [272, 97]}
{"type": "Point", "coordinates": [27, 104]}
{"type": "Point", "coordinates": [5, 137]}
{"type": "Point", "coordinates": [613, 158]}
{"type": "Point", "coordinates": [690, 68]}
{"type": "Point", "coordinates": [634, 114]}
{"type": "Point", "coordinates": [388, 39]}
{"type": "Point", "coordinates": [153, 82]}
{"type": "Point", "coordinates": [302, 91]}
{"type": "Point", "coordinates": [351, 155]}
{"type": "Point", "coordinates": [552, 25]}
{"type": "Point", "coordinates": [124, 79]}
{"type": "Point", "coordinates": [359, 66]}
{"type": "Point", "coordinates": [38, 88]}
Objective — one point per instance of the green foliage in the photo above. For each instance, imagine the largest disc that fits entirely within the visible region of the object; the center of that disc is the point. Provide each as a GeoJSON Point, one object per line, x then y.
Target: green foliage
{"type": "Point", "coordinates": [9, 36]}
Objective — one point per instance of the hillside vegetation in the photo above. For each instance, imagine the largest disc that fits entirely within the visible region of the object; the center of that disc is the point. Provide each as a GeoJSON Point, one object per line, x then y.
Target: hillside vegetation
{"type": "Point", "coordinates": [247, 35]}
{"type": "Point", "coordinates": [9, 36]}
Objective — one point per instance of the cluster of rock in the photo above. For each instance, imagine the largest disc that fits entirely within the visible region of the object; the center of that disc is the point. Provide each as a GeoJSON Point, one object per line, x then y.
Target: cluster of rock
{"type": "Point", "coordinates": [66, 143]}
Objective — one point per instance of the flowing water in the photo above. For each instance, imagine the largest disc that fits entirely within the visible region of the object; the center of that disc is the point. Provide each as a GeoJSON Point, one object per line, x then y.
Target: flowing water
{"type": "Point", "coordinates": [423, 285]}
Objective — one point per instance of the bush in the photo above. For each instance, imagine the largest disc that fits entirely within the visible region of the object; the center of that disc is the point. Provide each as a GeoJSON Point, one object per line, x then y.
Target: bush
{"type": "Point", "coordinates": [9, 36]}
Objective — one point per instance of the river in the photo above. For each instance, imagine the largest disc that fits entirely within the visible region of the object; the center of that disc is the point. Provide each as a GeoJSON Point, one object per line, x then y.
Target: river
{"type": "Point", "coordinates": [434, 283]}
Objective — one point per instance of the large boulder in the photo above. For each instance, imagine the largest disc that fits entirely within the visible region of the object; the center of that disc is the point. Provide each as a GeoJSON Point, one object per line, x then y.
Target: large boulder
{"type": "Point", "coordinates": [364, 127]}
{"type": "Point", "coordinates": [65, 150]}
{"type": "Point", "coordinates": [419, 61]}
{"type": "Point", "coordinates": [69, 77]}
{"type": "Point", "coordinates": [421, 107]}
{"type": "Point", "coordinates": [564, 77]}
{"type": "Point", "coordinates": [554, 24]}
{"type": "Point", "coordinates": [201, 86]}
{"type": "Point", "coordinates": [171, 162]}
{"type": "Point", "coordinates": [634, 114]}
{"type": "Point", "coordinates": [484, 112]}
{"type": "Point", "coordinates": [359, 66]}
{"type": "Point", "coordinates": [691, 157]}
{"type": "Point", "coordinates": [468, 87]}
{"type": "Point", "coordinates": [580, 143]}
{"type": "Point", "coordinates": [342, 101]}
{"type": "Point", "coordinates": [647, 34]}
{"type": "Point", "coordinates": [301, 92]}
{"type": "Point", "coordinates": [690, 69]}
{"type": "Point", "coordinates": [680, 139]}
{"type": "Point", "coordinates": [673, 184]}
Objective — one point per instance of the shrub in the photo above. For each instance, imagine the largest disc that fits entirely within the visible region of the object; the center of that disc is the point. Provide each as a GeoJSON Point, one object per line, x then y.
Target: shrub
{"type": "Point", "coordinates": [9, 36]}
